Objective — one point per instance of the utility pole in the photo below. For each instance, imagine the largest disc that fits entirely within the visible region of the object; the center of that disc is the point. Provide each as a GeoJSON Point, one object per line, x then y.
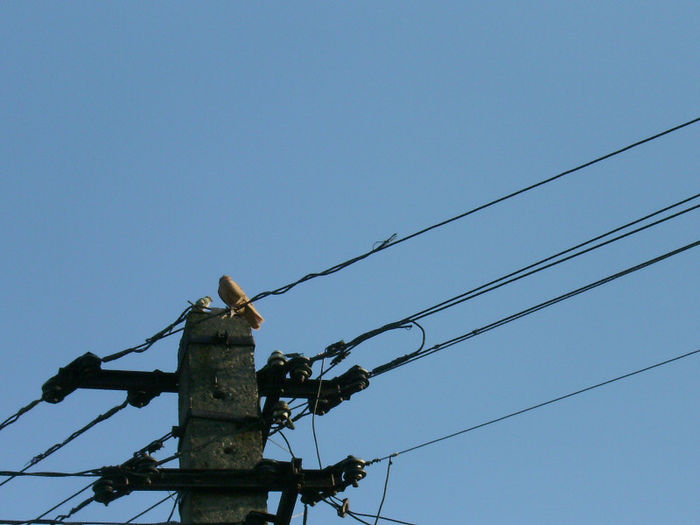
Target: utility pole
{"type": "Point", "coordinates": [218, 414]}
{"type": "Point", "coordinates": [223, 477]}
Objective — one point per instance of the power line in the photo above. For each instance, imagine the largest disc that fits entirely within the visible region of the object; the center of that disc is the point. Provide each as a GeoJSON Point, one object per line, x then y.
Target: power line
{"type": "Point", "coordinates": [165, 332]}
{"type": "Point", "coordinates": [342, 350]}
{"type": "Point", "coordinates": [14, 417]}
{"type": "Point", "coordinates": [153, 446]}
{"type": "Point", "coordinates": [533, 407]}
{"type": "Point", "coordinates": [157, 504]}
{"type": "Point", "coordinates": [391, 241]}
{"type": "Point", "coordinates": [75, 495]}
{"type": "Point", "coordinates": [40, 457]}
{"type": "Point", "coordinates": [84, 473]}
{"type": "Point", "coordinates": [386, 487]}
{"type": "Point", "coordinates": [419, 354]}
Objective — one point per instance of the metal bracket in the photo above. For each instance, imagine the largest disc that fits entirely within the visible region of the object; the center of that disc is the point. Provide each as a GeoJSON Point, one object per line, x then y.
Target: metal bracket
{"type": "Point", "coordinates": [86, 372]}
{"type": "Point", "coordinates": [141, 473]}
{"type": "Point", "coordinates": [322, 394]}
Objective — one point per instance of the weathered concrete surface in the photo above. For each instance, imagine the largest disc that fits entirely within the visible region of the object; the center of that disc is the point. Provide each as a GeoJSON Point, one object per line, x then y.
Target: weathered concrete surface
{"type": "Point", "coordinates": [217, 389]}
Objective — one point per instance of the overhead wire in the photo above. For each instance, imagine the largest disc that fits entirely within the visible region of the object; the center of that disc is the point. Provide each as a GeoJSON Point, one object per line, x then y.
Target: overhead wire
{"type": "Point", "coordinates": [14, 417]}
{"type": "Point", "coordinates": [57, 505]}
{"type": "Point", "coordinates": [534, 407]}
{"type": "Point", "coordinates": [40, 457]}
{"type": "Point", "coordinates": [155, 505]}
{"type": "Point", "coordinates": [393, 241]}
{"type": "Point", "coordinates": [340, 351]}
{"type": "Point", "coordinates": [386, 486]}
{"type": "Point", "coordinates": [150, 448]}
{"type": "Point", "coordinates": [356, 515]}
{"type": "Point", "coordinates": [409, 358]}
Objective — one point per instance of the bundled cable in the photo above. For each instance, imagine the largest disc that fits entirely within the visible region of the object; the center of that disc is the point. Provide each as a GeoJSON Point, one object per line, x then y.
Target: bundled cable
{"type": "Point", "coordinates": [423, 352]}
{"type": "Point", "coordinates": [341, 350]}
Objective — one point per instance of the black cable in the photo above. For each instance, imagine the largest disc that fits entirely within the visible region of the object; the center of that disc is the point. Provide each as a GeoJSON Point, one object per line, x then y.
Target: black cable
{"type": "Point", "coordinates": [166, 498]}
{"type": "Point", "coordinates": [14, 417]}
{"type": "Point", "coordinates": [386, 486]}
{"type": "Point", "coordinates": [165, 332]}
{"type": "Point", "coordinates": [62, 502]}
{"type": "Point", "coordinates": [391, 241]}
{"type": "Point", "coordinates": [57, 522]}
{"type": "Point", "coordinates": [172, 511]}
{"type": "Point", "coordinates": [408, 358]}
{"type": "Point", "coordinates": [384, 518]}
{"type": "Point", "coordinates": [40, 457]}
{"type": "Point", "coordinates": [151, 447]}
{"type": "Point", "coordinates": [313, 417]}
{"type": "Point", "coordinates": [289, 447]}
{"type": "Point", "coordinates": [533, 407]}
{"type": "Point", "coordinates": [75, 509]}
{"type": "Point", "coordinates": [351, 514]}
{"type": "Point", "coordinates": [511, 277]}
{"type": "Point", "coordinates": [84, 473]}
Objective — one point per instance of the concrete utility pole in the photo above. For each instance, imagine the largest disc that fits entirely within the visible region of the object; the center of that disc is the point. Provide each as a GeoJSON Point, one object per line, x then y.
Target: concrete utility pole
{"type": "Point", "coordinates": [218, 414]}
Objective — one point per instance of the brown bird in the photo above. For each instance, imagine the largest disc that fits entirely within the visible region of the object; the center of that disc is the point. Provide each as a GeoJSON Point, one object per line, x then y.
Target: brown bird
{"type": "Point", "coordinates": [236, 299]}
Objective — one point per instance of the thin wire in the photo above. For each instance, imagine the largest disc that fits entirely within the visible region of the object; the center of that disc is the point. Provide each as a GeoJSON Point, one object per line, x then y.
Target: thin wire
{"type": "Point", "coordinates": [386, 486]}
{"type": "Point", "coordinates": [58, 522]}
{"type": "Point", "coordinates": [166, 498]}
{"type": "Point", "coordinates": [172, 511]}
{"type": "Point", "coordinates": [533, 407]}
{"type": "Point", "coordinates": [391, 241]}
{"type": "Point", "coordinates": [64, 501]}
{"type": "Point", "coordinates": [40, 457]}
{"type": "Point", "coordinates": [408, 358]}
{"type": "Point", "coordinates": [14, 417]}
{"type": "Point", "coordinates": [289, 447]}
{"type": "Point", "coordinates": [384, 518]}
{"type": "Point", "coordinates": [313, 415]}
{"type": "Point", "coordinates": [517, 275]}
{"type": "Point", "coordinates": [165, 332]}
{"type": "Point", "coordinates": [84, 473]}
{"type": "Point", "coordinates": [76, 509]}
{"type": "Point", "coordinates": [351, 514]}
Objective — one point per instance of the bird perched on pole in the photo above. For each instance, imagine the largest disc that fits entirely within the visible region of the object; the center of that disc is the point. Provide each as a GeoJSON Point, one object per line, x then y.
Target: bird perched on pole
{"type": "Point", "coordinates": [236, 299]}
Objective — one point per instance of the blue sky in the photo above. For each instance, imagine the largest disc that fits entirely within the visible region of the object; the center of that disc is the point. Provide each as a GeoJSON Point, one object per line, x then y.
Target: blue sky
{"type": "Point", "coordinates": [146, 149]}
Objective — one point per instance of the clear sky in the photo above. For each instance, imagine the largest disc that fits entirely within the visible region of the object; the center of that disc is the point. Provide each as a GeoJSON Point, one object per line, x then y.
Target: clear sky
{"type": "Point", "coordinates": [148, 148]}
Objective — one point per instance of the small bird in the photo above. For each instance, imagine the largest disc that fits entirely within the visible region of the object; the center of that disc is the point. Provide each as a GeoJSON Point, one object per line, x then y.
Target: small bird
{"type": "Point", "coordinates": [236, 299]}
{"type": "Point", "coordinates": [202, 304]}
